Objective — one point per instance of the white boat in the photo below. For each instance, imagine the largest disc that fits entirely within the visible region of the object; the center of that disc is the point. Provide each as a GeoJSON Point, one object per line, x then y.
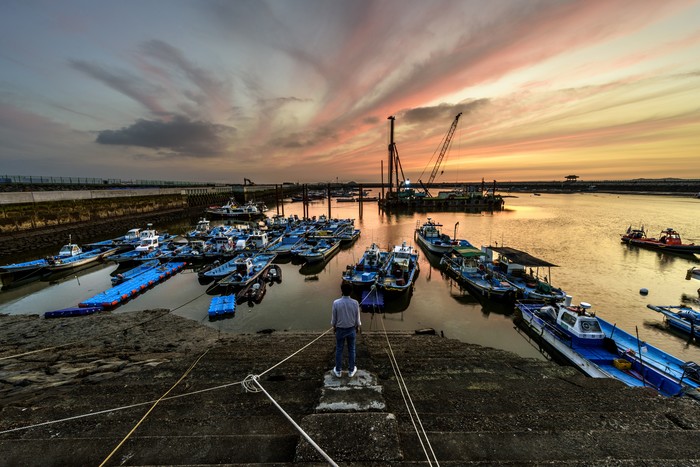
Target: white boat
{"type": "Point", "coordinates": [430, 236]}
{"type": "Point", "coordinates": [246, 269]}
{"type": "Point", "coordinates": [233, 210]}
{"type": "Point", "coordinates": [602, 350]}
{"type": "Point", "coordinates": [148, 239]}
{"type": "Point", "coordinates": [400, 270]}
{"type": "Point", "coordinates": [202, 229]}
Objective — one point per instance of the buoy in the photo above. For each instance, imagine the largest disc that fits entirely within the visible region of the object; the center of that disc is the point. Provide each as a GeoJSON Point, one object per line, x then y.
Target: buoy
{"type": "Point", "coordinates": [643, 291]}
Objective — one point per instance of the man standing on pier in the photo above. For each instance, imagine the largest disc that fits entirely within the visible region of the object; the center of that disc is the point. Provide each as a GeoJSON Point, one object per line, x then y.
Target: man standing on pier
{"type": "Point", "coordinates": [346, 323]}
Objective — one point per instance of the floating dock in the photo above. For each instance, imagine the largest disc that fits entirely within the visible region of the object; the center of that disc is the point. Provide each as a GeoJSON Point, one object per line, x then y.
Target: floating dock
{"type": "Point", "coordinates": [118, 294]}
{"type": "Point", "coordinates": [74, 311]}
{"type": "Point", "coordinates": [223, 306]}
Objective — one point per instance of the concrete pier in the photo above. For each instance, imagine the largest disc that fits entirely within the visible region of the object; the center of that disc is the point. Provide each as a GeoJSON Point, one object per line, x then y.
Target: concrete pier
{"type": "Point", "coordinates": [477, 405]}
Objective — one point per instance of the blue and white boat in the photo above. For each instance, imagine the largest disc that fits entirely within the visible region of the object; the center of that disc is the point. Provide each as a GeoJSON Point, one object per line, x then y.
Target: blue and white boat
{"type": "Point", "coordinates": [71, 256]}
{"type": "Point", "coordinates": [398, 274]}
{"type": "Point", "coordinates": [683, 318]}
{"type": "Point", "coordinates": [246, 269]}
{"type": "Point", "coordinates": [601, 350]}
{"type": "Point", "coordinates": [429, 235]}
{"type": "Point", "coordinates": [222, 270]}
{"type": "Point", "coordinates": [364, 273]}
{"type": "Point", "coordinates": [320, 250]}
{"type": "Point", "coordinates": [287, 243]}
{"type": "Point", "coordinates": [509, 264]}
{"type": "Point", "coordinates": [466, 266]}
{"type": "Point", "coordinates": [201, 230]}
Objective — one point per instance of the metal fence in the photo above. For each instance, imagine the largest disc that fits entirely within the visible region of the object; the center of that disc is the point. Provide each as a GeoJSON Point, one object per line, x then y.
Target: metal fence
{"type": "Point", "coordinates": [41, 180]}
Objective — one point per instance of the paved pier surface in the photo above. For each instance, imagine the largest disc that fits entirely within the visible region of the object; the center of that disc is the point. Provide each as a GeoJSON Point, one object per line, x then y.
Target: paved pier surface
{"type": "Point", "coordinates": [478, 406]}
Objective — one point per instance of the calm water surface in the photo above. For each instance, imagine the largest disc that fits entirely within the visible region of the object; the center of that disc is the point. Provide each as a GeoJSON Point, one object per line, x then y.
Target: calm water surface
{"type": "Point", "coordinates": [578, 232]}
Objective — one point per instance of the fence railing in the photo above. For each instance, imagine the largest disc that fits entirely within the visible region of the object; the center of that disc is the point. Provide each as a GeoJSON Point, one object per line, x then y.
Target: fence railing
{"type": "Point", "coordinates": [42, 180]}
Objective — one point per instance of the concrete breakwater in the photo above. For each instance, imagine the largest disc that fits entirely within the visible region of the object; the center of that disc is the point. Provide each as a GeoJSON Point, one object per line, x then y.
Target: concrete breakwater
{"type": "Point", "coordinates": [477, 405]}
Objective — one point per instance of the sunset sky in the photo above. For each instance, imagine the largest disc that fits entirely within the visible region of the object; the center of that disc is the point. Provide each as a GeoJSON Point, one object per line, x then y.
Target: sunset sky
{"type": "Point", "coordinates": [300, 90]}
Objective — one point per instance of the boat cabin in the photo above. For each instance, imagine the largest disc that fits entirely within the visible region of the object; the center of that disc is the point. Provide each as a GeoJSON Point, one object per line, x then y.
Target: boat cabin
{"type": "Point", "coordinates": [670, 237]}
{"type": "Point", "coordinates": [221, 243]}
{"type": "Point", "coordinates": [576, 321]}
{"type": "Point", "coordinates": [133, 236]}
{"type": "Point", "coordinates": [401, 258]}
{"type": "Point", "coordinates": [202, 227]}
{"type": "Point", "coordinates": [257, 240]}
{"type": "Point", "coordinates": [69, 250]}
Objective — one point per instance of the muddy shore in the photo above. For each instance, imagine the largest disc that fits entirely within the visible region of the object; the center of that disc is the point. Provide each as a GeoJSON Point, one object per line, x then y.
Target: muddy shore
{"type": "Point", "coordinates": [73, 388]}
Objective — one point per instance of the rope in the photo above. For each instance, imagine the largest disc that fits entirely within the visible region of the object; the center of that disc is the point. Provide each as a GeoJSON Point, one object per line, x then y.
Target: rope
{"type": "Point", "coordinates": [117, 409]}
{"type": "Point", "coordinates": [407, 398]}
{"type": "Point", "coordinates": [307, 345]}
{"type": "Point", "coordinates": [153, 407]}
{"type": "Point", "coordinates": [252, 380]}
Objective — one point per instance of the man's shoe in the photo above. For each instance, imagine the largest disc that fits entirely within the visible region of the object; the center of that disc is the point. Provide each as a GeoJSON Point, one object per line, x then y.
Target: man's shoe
{"type": "Point", "coordinates": [337, 373]}
{"type": "Point", "coordinates": [352, 372]}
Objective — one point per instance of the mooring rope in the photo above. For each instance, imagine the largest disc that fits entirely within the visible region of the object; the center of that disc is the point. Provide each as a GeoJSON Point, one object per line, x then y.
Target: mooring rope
{"type": "Point", "coordinates": [153, 407]}
{"type": "Point", "coordinates": [255, 386]}
{"type": "Point", "coordinates": [403, 388]}
{"type": "Point", "coordinates": [117, 409]}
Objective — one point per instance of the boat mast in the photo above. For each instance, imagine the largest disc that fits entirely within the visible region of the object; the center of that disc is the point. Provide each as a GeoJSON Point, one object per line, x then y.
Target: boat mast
{"type": "Point", "coordinates": [392, 149]}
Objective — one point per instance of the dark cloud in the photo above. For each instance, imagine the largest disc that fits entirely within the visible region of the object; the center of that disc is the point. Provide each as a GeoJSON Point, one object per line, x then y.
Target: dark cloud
{"type": "Point", "coordinates": [179, 135]}
{"type": "Point", "coordinates": [442, 112]}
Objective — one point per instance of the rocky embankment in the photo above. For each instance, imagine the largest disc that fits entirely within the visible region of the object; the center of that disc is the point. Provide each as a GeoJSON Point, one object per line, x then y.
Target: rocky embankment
{"type": "Point", "coordinates": [72, 390]}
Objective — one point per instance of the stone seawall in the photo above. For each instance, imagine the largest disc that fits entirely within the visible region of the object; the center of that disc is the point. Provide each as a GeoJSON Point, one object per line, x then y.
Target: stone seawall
{"type": "Point", "coordinates": [23, 217]}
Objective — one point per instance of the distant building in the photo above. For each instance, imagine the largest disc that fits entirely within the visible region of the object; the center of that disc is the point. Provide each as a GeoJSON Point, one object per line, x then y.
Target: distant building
{"type": "Point", "coordinates": [571, 178]}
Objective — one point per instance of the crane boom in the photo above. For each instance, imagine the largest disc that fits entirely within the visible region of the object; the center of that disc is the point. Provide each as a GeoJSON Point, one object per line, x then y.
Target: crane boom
{"type": "Point", "coordinates": [445, 147]}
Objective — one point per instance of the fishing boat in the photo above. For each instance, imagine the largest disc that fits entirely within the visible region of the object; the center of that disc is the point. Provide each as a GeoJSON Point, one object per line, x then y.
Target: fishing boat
{"type": "Point", "coordinates": [200, 230]}
{"type": "Point", "coordinates": [72, 256]}
{"type": "Point", "coordinates": [253, 292]}
{"type": "Point", "coordinates": [148, 239]}
{"type": "Point", "coordinates": [398, 274]}
{"type": "Point", "coordinates": [272, 274]}
{"type": "Point", "coordinates": [430, 237]}
{"type": "Point", "coordinates": [693, 273]}
{"type": "Point", "coordinates": [601, 350]}
{"type": "Point", "coordinates": [465, 265]}
{"type": "Point", "coordinates": [219, 271]}
{"type": "Point", "coordinates": [669, 240]}
{"type": "Point", "coordinates": [287, 243]}
{"type": "Point", "coordinates": [349, 235]}
{"type": "Point", "coordinates": [233, 210]}
{"type": "Point", "coordinates": [319, 251]}
{"type": "Point", "coordinates": [364, 273]}
{"type": "Point", "coordinates": [509, 264]}
{"type": "Point", "coordinates": [246, 269]}
{"type": "Point", "coordinates": [683, 318]}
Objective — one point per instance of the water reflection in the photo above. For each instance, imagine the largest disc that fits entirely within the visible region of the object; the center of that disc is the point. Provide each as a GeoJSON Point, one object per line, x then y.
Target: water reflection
{"type": "Point", "coordinates": [580, 233]}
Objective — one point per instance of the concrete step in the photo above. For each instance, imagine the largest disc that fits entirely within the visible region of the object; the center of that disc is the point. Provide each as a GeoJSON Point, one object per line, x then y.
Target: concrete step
{"type": "Point", "coordinates": [360, 393]}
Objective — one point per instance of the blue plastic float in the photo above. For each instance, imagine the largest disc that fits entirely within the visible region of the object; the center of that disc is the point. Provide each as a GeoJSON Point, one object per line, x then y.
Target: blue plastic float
{"type": "Point", "coordinates": [222, 307]}
{"type": "Point", "coordinates": [118, 294]}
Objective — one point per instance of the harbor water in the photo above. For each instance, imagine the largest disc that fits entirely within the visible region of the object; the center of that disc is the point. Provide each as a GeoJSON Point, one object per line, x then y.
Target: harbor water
{"type": "Point", "coordinates": [580, 233]}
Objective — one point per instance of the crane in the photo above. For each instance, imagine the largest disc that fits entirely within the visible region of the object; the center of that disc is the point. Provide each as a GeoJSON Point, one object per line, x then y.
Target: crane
{"type": "Point", "coordinates": [443, 151]}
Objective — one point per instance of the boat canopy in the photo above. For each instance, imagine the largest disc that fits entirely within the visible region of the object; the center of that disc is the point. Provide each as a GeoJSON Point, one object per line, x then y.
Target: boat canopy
{"type": "Point", "coordinates": [520, 257]}
{"type": "Point", "coordinates": [468, 252]}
